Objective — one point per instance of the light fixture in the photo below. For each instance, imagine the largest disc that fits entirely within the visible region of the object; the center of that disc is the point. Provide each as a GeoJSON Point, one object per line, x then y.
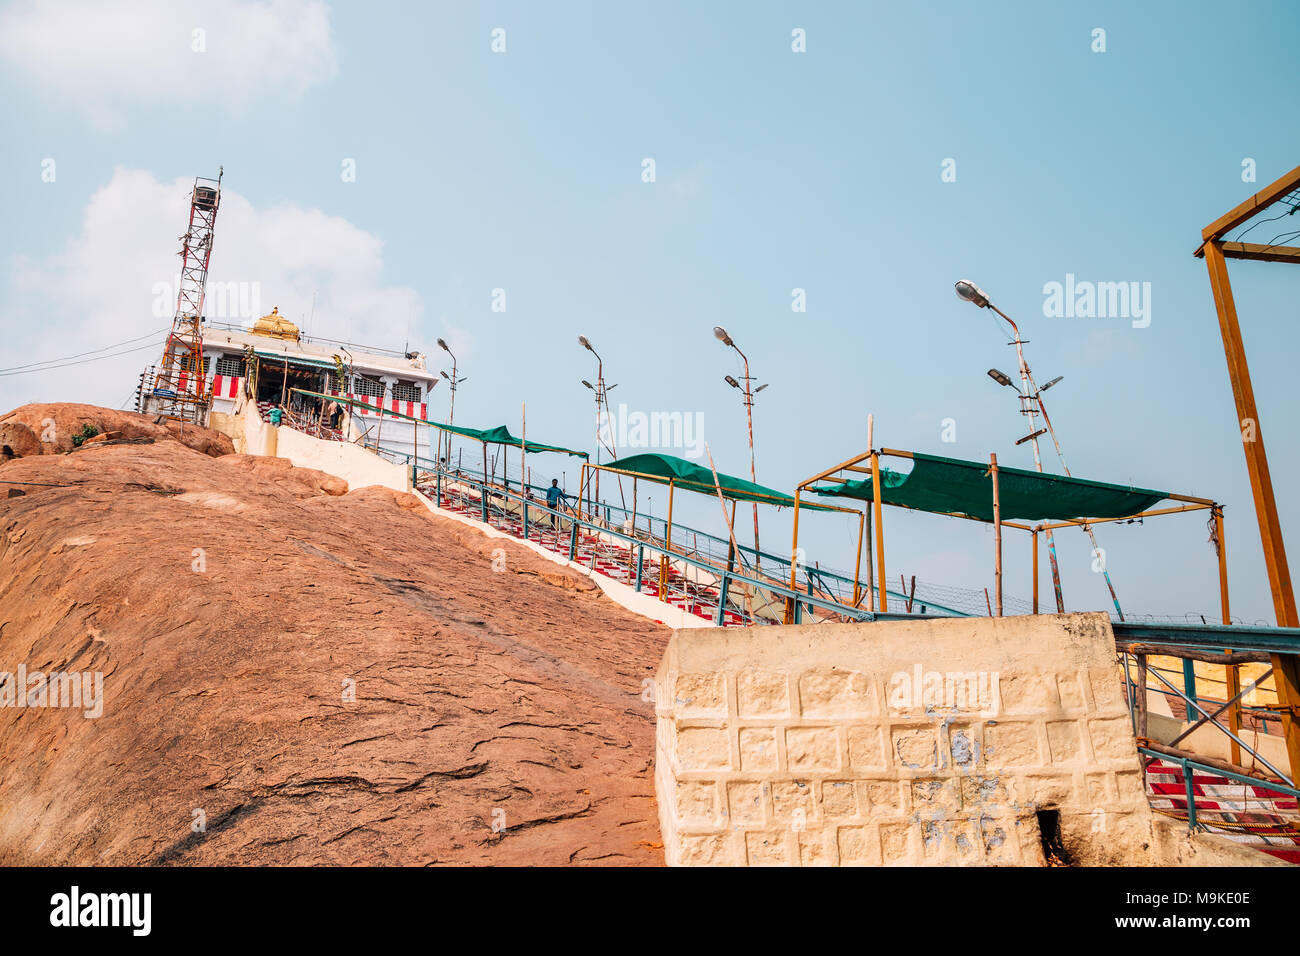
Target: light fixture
{"type": "Point", "coordinates": [761, 387]}
{"type": "Point", "coordinates": [444, 374]}
{"type": "Point", "coordinates": [582, 340]}
{"type": "Point", "coordinates": [442, 344]}
{"type": "Point", "coordinates": [588, 384]}
{"type": "Point", "coordinates": [972, 293]}
{"type": "Point", "coordinates": [1051, 383]}
{"type": "Point", "coordinates": [731, 381]}
{"type": "Point", "coordinates": [722, 335]}
{"type": "Point", "coordinates": [1000, 377]}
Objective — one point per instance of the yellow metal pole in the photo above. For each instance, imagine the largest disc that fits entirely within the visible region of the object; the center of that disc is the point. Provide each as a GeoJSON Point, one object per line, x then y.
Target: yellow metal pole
{"type": "Point", "coordinates": [1286, 668]}
{"type": "Point", "coordinates": [857, 566]}
{"type": "Point", "coordinates": [668, 543]}
{"type": "Point", "coordinates": [1035, 570]}
{"type": "Point", "coordinates": [582, 483]}
{"type": "Point", "coordinates": [1231, 671]}
{"type": "Point", "coordinates": [794, 556]}
{"type": "Point", "coordinates": [794, 545]}
{"type": "Point", "coordinates": [1223, 564]}
{"type": "Point", "coordinates": [997, 533]}
{"type": "Point", "coordinates": [879, 530]}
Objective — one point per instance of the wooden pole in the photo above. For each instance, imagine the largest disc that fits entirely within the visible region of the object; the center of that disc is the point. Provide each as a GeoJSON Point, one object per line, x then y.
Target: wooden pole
{"type": "Point", "coordinates": [997, 533]}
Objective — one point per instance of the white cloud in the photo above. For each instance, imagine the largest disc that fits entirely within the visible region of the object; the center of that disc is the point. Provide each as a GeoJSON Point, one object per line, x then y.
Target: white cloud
{"type": "Point", "coordinates": [104, 285]}
{"type": "Point", "coordinates": [106, 54]}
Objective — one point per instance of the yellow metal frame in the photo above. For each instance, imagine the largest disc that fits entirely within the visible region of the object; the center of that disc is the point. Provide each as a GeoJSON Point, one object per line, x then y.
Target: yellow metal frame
{"type": "Point", "coordinates": [854, 464]}
{"type": "Point", "coordinates": [584, 482]}
{"type": "Point", "coordinates": [1216, 253]}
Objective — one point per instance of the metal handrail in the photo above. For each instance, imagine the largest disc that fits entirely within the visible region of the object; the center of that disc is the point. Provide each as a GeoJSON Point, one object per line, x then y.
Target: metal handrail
{"type": "Point", "coordinates": [726, 578]}
{"type": "Point", "coordinates": [722, 544]}
{"type": "Point", "coordinates": [1188, 765]}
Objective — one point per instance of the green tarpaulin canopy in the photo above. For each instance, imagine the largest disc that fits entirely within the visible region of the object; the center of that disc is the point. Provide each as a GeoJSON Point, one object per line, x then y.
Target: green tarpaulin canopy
{"type": "Point", "coordinates": [952, 486]}
{"type": "Point", "coordinates": [280, 359]}
{"type": "Point", "coordinates": [685, 474]}
{"type": "Point", "coordinates": [501, 436]}
{"type": "Point", "coordinates": [492, 436]}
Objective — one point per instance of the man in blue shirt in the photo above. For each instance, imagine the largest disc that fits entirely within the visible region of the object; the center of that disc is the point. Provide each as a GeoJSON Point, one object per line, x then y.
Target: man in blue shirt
{"type": "Point", "coordinates": [554, 499]}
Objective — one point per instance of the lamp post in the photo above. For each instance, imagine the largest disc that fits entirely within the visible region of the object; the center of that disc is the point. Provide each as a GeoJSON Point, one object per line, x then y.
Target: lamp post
{"type": "Point", "coordinates": [1031, 404]}
{"type": "Point", "coordinates": [749, 392]}
{"type": "Point", "coordinates": [454, 382]}
{"type": "Point", "coordinates": [605, 436]}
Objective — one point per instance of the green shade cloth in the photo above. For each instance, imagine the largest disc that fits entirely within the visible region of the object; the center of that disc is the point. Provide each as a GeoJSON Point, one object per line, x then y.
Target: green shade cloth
{"type": "Point", "coordinates": [952, 486]}
{"type": "Point", "coordinates": [294, 360]}
{"type": "Point", "coordinates": [492, 436]}
{"type": "Point", "coordinates": [501, 436]}
{"type": "Point", "coordinates": [685, 474]}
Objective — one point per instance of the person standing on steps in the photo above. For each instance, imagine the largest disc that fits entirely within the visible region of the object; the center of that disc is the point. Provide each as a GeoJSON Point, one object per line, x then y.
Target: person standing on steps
{"type": "Point", "coordinates": [554, 500]}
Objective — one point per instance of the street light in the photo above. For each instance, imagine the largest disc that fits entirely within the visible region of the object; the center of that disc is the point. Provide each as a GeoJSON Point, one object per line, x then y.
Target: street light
{"type": "Point", "coordinates": [972, 293]}
{"type": "Point", "coordinates": [1031, 404]}
{"type": "Point", "coordinates": [451, 418]}
{"type": "Point", "coordinates": [721, 335]}
{"type": "Point", "coordinates": [602, 408]}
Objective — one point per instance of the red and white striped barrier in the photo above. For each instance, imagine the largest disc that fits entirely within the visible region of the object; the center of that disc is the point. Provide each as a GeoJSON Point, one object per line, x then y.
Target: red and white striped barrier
{"type": "Point", "coordinates": [413, 409]}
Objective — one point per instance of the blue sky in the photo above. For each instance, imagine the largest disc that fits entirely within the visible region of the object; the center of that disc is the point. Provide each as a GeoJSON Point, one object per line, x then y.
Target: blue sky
{"type": "Point", "coordinates": [775, 170]}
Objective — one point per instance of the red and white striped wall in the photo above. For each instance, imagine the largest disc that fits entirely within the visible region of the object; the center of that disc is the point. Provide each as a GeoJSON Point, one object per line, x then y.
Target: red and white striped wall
{"type": "Point", "coordinates": [226, 386]}
{"type": "Point", "coordinates": [414, 409]}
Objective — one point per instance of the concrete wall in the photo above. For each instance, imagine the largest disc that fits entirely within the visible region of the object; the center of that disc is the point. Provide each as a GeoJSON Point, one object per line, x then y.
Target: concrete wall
{"type": "Point", "coordinates": [357, 466]}
{"type": "Point", "coordinates": [927, 742]}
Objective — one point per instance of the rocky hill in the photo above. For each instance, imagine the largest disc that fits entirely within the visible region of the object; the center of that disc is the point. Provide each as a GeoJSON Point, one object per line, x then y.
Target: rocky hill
{"type": "Point", "coordinates": [294, 672]}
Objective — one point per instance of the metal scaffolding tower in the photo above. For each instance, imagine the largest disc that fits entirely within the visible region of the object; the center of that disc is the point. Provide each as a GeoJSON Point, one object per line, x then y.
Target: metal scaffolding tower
{"type": "Point", "coordinates": [179, 388]}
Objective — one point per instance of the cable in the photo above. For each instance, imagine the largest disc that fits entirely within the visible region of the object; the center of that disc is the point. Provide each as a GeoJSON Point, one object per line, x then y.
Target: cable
{"type": "Point", "coordinates": [50, 368]}
{"type": "Point", "coordinates": [147, 335]}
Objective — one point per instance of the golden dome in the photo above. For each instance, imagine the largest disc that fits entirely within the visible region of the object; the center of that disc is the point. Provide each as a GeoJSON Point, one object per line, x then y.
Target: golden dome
{"type": "Point", "coordinates": [276, 326]}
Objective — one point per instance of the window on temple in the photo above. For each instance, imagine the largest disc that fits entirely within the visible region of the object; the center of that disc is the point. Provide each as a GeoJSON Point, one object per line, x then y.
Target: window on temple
{"type": "Point", "coordinates": [406, 392]}
{"type": "Point", "coordinates": [231, 366]}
